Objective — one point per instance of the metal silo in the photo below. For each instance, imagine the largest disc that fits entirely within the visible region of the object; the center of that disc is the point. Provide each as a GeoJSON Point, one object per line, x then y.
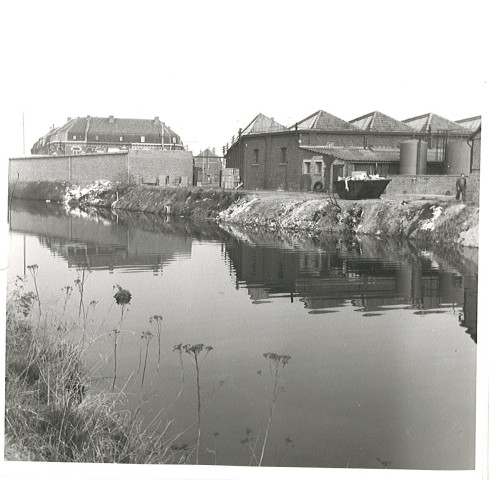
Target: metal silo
{"type": "Point", "coordinates": [457, 158]}
{"type": "Point", "coordinates": [414, 155]}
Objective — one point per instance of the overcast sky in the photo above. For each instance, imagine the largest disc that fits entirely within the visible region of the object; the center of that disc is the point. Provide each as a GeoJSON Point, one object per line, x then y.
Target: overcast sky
{"type": "Point", "coordinates": [206, 68]}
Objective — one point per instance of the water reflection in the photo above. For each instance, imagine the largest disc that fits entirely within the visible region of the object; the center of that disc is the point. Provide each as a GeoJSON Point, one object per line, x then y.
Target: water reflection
{"type": "Point", "coordinates": [372, 275]}
{"type": "Point", "coordinates": [323, 274]}
{"type": "Point", "coordinates": [377, 332]}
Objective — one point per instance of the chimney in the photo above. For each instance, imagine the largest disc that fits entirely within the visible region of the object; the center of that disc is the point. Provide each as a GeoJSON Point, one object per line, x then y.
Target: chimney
{"type": "Point", "coordinates": [111, 119]}
{"type": "Point", "coordinates": [157, 120]}
{"type": "Point", "coordinates": [68, 119]}
{"type": "Point", "coordinates": [213, 149]}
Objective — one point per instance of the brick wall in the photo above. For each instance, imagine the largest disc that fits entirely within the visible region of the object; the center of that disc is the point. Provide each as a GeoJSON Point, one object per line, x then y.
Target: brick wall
{"type": "Point", "coordinates": [165, 163]}
{"type": "Point", "coordinates": [432, 185]}
{"type": "Point", "coordinates": [113, 166]}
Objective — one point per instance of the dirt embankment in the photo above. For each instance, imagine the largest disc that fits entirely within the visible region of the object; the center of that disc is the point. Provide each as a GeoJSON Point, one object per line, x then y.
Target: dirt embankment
{"type": "Point", "coordinates": [437, 220]}
{"type": "Point", "coordinates": [434, 220]}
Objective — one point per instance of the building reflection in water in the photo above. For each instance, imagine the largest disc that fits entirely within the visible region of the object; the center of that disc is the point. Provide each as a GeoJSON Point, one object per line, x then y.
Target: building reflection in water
{"type": "Point", "coordinates": [102, 243]}
{"type": "Point", "coordinates": [369, 274]}
{"type": "Point", "coordinates": [372, 275]}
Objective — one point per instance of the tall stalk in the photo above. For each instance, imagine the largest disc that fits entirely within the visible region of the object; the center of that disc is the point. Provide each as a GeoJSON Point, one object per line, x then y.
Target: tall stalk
{"type": "Point", "coordinates": [33, 271]}
{"type": "Point", "coordinates": [178, 348]}
{"type": "Point", "coordinates": [116, 333]}
{"type": "Point", "coordinates": [67, 294]}
{"type": "Point", "coordinates": [276, 364]}
{"type": "Point", "coordinates": [194, 352]}
{"type": "Point", "coordinates": [157, 320]}
{"type": "Point", "coordinates": [83, 273]}
{"type": "Point", "coordinates": [146, 336]}
{"type": "Point", "coordinates": [122, 298]}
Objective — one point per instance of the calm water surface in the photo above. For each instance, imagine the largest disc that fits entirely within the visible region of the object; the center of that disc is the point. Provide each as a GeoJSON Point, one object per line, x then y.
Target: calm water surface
{"type": "Point", "coordinates": [382, 337]}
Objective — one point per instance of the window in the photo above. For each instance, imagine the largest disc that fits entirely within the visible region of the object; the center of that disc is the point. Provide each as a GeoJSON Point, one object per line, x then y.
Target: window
{"type": "Point", "coordinates": [96, 137]}
{"type": "Point", "coordinates": [120, 138]}
{"type": "Point", "coordinates": [283, 155]}
{"type": "Point", "coordinates": [306, 168]}
{"type": "Point", "coordinates": [319, 168]}
{"type": "Point", "coordinates": [174, 140]}
{"type": "Point", "coordinates": [74, 137]}
{"type": "Point", "coordinates": [143, 138]}
{"type": "Point", "coordinates": [257, 153]}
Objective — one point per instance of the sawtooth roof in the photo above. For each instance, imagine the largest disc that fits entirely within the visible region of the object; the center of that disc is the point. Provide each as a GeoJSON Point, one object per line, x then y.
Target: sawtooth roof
{"type": "Point", "coordinates": [422, 123]}
{"type": "Point", "coordinates": [263, 124]}
{"type": "Point", "coordinates": [379, 122]}
{"type": "Point", "coordinates": [322, 120]}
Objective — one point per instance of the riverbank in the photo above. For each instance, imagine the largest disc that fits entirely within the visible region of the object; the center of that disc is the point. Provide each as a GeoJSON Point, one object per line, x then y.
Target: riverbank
{"type": "Point", "coordinates": [54, 408]}
{"type": "Point", "coordinates": [432, 219]}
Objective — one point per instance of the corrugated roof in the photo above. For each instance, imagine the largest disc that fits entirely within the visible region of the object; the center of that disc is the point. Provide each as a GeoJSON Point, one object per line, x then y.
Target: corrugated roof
{"type": "Point", "coordinates": [379, 122]}
{"type": "Point", "coordinates": [472, 123]}
{"type": "Point", "coordinates": [322, 120]}
{"type": "Point", "coordinates": [423, 123]}
{"type": "Point", "coordinates": [368, 155]}
{"type": "Point", "coordinates": [263, 124]}
{"type": "Point", "coordinates": [358, 154]}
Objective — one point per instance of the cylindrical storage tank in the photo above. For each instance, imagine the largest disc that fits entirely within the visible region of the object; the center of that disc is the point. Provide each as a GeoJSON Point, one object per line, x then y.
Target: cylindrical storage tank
{"type": "Point", "coordinates": [409, 156]}
{"type": "Point", "coordinates": [457, 158]}
{"type": "Point", "coordinates": [422, 158]}
{"type": "Point", "coordinates": [414, 154]}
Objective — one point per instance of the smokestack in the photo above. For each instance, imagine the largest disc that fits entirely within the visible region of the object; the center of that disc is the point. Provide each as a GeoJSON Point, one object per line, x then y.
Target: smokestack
{"type": "Point", "coordinates": [157, 121]}
{"type": "Point", "coordinates": [111, 119]}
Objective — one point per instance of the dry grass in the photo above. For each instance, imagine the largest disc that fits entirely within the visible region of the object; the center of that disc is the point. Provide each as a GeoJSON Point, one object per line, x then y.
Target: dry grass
{"type": "Point", "coordinates": [52, 415]}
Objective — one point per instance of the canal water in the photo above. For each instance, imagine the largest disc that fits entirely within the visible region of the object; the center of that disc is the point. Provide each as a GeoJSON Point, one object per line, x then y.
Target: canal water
{"type": "Point", "coordinates": [381, 337]}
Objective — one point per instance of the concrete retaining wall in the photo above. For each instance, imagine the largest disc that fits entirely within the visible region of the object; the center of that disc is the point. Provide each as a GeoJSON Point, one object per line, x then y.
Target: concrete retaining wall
{"type": "Point", "coordinates": [83, 169]}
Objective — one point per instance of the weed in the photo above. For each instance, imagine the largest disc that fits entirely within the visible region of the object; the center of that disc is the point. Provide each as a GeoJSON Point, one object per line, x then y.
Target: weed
{"type": "Point", "coordinates": [33, 269]}
{"type": "Point", "coordinates": [276, 364]}
{"type": "Point", "coordinates": [67, 291]}
{"type": "Point", "coordinates": [157, 320]}
{"type": "Point", "coordinates": [83, 272]}
{"type": "Point", "coordinates": [147, 336]}
{"type": "Point", "coordinates": [194, 351]}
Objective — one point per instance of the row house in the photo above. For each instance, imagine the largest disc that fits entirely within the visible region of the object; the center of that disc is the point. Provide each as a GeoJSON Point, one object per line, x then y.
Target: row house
{"type": "Point", "coordinates": [107, 134]}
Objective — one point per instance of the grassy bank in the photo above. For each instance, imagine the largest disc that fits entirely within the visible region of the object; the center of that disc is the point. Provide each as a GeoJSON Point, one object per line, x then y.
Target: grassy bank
{"type": "Point", "coordinates": [193, 203]}
{"type": "Point", "coordinates": [51, 414]}
{"type": "Point", "coordinates": [42, 190]}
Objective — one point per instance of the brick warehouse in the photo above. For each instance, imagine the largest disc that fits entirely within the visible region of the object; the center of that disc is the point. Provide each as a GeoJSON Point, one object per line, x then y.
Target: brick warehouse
{"type": "Point", "coordinates": [315, 150]}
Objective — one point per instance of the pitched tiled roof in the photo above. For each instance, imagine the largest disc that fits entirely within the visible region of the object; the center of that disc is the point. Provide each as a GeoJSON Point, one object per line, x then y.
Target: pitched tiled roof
{"type": "Point", "coordinates": [368, 155]}
{"type": "Point", "coordinates": [121, 126]}
{"type": "Point", "coordinates": [263, 124]}
{"type": "Point", "coordinates": [423, 123]}
{"type": "Point", "coordinates": [78, 125]}
{"type": "Point", "coordinates": [207, 153]}
{"type": "Point", "coordinates": [379, 122]}
{"type": "Point", "coordinates": [322, 120]}
{"type": "Point", "coordinates": [472, 123]}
